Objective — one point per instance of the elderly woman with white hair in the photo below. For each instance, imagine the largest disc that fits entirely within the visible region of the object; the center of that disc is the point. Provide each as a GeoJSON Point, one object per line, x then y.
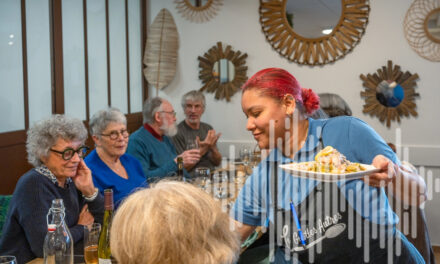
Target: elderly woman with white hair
{"type": "Point", "coordinates": [111, 166]}
{"type": "Point", "coordinates": [56, 148]}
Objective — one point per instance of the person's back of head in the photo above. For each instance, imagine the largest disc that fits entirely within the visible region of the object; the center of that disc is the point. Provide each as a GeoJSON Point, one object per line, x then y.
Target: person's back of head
{"type": "Point", "coordinates": [172, 222]}
{"type": "Point", "coordinates": [333, 105]}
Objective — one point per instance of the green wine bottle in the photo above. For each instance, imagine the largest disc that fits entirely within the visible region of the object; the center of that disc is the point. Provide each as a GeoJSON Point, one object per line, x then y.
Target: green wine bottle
{"type": "Point", "coordinates": [104, 253]}
{"type": "Point", "coordinates": [180, 174]}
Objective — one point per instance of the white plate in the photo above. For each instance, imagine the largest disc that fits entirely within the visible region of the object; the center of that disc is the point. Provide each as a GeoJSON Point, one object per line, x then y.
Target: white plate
{"type": "Point", "coordinates": [292, 168]}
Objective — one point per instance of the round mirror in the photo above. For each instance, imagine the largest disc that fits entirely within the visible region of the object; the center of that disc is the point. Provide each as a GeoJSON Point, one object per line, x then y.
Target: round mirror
{"type": "Point", "coordinates": [313, 18]}
{"type": "Point", "coordinates": [293, 33]}
{"type": "Point", "coordinates": [223, 71]}
{"type": "Point", "coordinates": [198, 3]}
{"type": "Point", "coordinates": [432, 25]}
{"type": "Point", "coordinates": [389, 93]}
{"type": "Point", "coordinates": [198, 10]}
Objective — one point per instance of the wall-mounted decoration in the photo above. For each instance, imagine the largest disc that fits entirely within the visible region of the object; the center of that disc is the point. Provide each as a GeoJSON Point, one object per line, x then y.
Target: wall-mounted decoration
{"type": "Point", "coordinates": [160, 55]}
{"type": "Point", "coordinates": [222, 71]}
{"type": "Point", "coordinates": [389, 94]}
{"type": "Point", "coordinates": [422, 28]}
{"type": "Point", "coordinates": [198, 11]}
{"type": "Point", "coordinates": [324, 35]}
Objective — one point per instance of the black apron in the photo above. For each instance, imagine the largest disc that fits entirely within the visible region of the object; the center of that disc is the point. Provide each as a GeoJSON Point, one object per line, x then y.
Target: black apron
{"type": "Point", "coordinates": [334, 232]}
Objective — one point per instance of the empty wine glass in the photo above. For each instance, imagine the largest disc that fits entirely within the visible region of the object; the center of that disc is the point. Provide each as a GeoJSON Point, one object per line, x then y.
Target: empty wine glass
{"type": "Point", "coordinates": [245, 155]}
{"type": "Point", "coordinates": [220, 181]}
{"type": "Point", "coordinates": [8, 260]}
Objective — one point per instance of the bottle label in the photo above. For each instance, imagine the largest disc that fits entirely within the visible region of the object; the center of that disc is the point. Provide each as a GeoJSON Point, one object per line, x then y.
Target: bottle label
{"type": "Point", "coordinates": [104, 261]}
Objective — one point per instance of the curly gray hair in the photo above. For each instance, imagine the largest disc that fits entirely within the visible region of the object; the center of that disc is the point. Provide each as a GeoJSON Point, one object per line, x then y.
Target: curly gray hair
{"type": "Point", "coordinates": [102, 118]}
{"type": "Point", "coordinates": [151, 107]}
{"type": "Point", "coordinates": [195, 96]}
{"type": "Point", "coordinates": [45, 133]}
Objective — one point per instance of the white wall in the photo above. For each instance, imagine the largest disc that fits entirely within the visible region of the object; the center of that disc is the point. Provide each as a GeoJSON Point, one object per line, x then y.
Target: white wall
{"type": "Point", "coordinates": [237, 24]}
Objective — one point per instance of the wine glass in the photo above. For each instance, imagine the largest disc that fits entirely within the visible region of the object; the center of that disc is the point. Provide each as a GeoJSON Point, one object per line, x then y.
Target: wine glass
{"type": "Point", "coordinates": [245, 155]}
{"type": "Point", "coordinates": [8, 260]}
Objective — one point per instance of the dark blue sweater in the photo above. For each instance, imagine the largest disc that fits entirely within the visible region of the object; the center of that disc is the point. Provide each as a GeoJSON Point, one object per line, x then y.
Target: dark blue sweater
{"type": "Point", "coordinates": [26, 227]}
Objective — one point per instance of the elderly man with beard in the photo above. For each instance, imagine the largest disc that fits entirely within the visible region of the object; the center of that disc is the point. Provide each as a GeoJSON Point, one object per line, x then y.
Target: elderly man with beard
{"type": "Point", "coordinates": [193, 130]}
{"type": "Point", "coordinates": [151, 144]}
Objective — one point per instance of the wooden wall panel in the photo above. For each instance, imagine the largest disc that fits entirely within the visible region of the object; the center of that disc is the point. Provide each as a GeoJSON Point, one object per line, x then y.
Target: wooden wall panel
{"type": "Point", "coordinates": [13, 163]}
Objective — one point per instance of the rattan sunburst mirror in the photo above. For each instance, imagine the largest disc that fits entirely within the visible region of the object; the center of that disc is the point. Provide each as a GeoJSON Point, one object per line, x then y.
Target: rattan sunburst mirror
{"type": "Point", "coordinates": [198, 10]}
{"type": "Point", "coordinates": [222, 71]}
{"type": "Point", "coordinates": [346, 33]}
{"type": "Point", "coordinates": [389, 93]}
{"type": "Point", "coordinates": [422, 28]}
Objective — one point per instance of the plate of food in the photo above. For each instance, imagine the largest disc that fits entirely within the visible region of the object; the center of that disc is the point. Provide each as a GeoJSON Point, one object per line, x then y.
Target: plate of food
{"type": "Point", "coordinates": [330, 166]}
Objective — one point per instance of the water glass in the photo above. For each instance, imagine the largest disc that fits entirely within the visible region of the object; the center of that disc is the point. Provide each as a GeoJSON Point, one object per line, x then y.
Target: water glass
{"type": "Point", "coordinates": [91, 239]}
{"type": "Point", "coordinates": [8, 260]}
{"type": "Point", "coordinates": [192, 144]}
{"type": "Point", "coordinates": [202, 175]}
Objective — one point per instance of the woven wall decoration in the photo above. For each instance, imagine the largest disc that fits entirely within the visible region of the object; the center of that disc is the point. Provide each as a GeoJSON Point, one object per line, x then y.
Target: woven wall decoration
{"type": "Point", "coordinates": [198, 14]}
{"type": "Point", "coordinates": [211, 81]}
{"type": "Point", "coordinates": [160, 55]}
{"type": "Point", "coordinates": [314, 51]}
{"type": "Point", "coordinates": [416, 28]}
{"type": "Point", "coordinates": [389, 94]}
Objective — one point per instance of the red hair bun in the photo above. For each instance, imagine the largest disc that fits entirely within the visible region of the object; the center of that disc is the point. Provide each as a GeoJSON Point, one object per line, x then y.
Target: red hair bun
{"type": "Point", "coordinates": [310, 100]}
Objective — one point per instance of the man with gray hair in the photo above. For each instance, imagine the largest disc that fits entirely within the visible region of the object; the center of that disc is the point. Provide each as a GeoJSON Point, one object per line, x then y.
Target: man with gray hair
{"type": "Point", "coordinates": [193, 130]}
{"type": "Point", "coordinates": [151, 144]}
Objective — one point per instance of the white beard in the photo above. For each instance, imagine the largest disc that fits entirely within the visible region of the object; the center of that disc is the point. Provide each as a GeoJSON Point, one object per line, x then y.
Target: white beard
{"type": "Point", "coordinates": [169, 130]}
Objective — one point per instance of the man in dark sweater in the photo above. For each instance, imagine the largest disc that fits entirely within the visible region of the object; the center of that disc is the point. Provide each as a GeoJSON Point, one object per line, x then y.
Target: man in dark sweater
{"type": "Point", "coordinates": [193, 130]}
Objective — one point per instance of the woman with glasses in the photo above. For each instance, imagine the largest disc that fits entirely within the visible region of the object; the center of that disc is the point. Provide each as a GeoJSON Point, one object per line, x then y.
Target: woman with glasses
{"type": "Point", "coordinates": [56, 149]}
{"type": "Point", "coordinates": [111, 166]}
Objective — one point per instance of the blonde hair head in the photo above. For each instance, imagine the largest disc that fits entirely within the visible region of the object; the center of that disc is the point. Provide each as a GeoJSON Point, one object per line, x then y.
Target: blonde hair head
{"type": "Point", "coordinates": [172, 222]}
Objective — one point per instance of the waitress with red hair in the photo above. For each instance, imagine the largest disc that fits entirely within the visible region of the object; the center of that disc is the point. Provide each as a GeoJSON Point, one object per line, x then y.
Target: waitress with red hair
{"type": "Point", "coordinates": [348, 221]}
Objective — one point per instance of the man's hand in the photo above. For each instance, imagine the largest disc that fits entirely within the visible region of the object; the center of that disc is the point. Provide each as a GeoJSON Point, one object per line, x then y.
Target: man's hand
{"type": "Point", "coordinates": [83, 179]}
{"type": "Point", "coordinates": [209, 143]}
{"type": "Point", "coordinates": [190, 157]}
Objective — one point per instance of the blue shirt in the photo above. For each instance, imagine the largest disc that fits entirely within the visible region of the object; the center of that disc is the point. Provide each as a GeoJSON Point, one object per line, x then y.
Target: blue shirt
{"type": "Point", "coordinates": [104, 177]}
{"type": "Point", "coordinates": [351, 137]}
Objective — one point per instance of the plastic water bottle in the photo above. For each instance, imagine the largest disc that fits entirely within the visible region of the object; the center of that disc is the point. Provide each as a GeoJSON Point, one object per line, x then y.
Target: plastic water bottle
{"type": "Point", "coordinates": [58, 244]}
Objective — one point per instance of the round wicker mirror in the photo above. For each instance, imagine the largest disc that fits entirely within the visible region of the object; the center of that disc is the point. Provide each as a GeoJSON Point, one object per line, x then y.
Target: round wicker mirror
{"type": "Point", "coordinates": [389, 93]}
{"type": "Point", "coordinates": [222, 71]}
{"type": "Point", "coordinates": [422, 28]}
{"type": "Point", "coordinates": [198, 10]}
{"type": "Point", "coordinates": [313, 51]}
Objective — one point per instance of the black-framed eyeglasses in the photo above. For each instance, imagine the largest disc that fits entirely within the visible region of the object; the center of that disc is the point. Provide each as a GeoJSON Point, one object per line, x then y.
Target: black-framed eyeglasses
{"type": "Point", "coordinates": [113, 135]}
{"type": "Point", "coordinates": [68, 153]}
{"type": "Point", "coordinates": [169, 112]}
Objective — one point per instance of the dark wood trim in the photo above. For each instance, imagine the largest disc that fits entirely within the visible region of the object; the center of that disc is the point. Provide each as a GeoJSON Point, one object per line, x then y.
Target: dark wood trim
{"type": "Point", "coordinates": [127, 52]}
{"type": "Point", "coordinates": [25, 66]}
{"type": "Point", "coordinates": [107, 28]}
{"type": "Point", "coordinates": [143, 39]}
{"type": "Point", "coordinates": [86, 60]}
{"type": "Point", "coordinates": [12, 138]}
{"type": "Point", "coordinates": [57, 56]}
